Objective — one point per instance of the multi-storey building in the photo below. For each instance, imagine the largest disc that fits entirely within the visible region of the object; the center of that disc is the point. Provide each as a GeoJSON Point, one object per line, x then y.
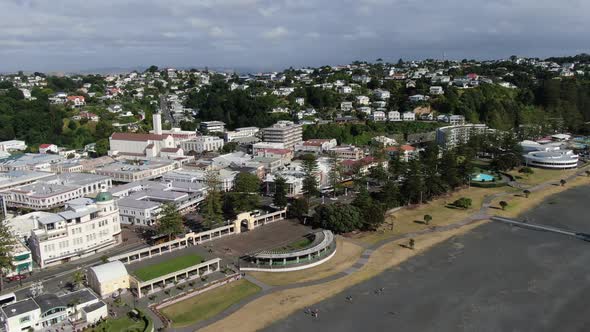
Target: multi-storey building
{"type": "Point", "coordinates": [136, 171]}
{"type": "Point", "coordinates": [316, 146]}
{"type": "Point", "coordinates": [212, 126]}
{"type": "Point", "coordinates": [239, 133]}
{"type": "Point", "coordinates": [84, 228]}
{"type": "Point", "coordinates": [451, 136]}
{"type": "Point", "coordinates": [349, 152]}
{"type": "Point", "coordinates": [55, 191]}
{"type": "Point", "coordinates": [42, 312]}
{"type": "Point", "coordinates": [202, 144]}
{"type": "Point", "coordinates": [285, 132]}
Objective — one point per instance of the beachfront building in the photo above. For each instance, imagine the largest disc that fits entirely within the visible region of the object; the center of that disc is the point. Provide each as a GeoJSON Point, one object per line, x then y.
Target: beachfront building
{"type": "Point", "coordinates": [48, 311]}
{"type": "Point", "coordinates": [451, 136]}
{"type": "Point", "coordinates": [85, 227]}
{"type": "Point", "coordinates": [108, 278]}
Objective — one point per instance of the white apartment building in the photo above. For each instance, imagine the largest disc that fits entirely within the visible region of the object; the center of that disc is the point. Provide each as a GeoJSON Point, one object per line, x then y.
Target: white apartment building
{"type": "Point", "coordinates": [84, 228]}
{"type": "Point", "coordinates": [13, 145]}
{"type": "Point", "coordinates": [451, 136]}
{"type": "Point", "coordinates": [408, 116]}
{"type": "Point", "coordinates": [212, 126]}
{"type": "Point", "coordinates": [378, 116]}
{"type": "Point", "coordinates": [238, 133]}
{"type": "Point", "coordinates": [436, 90]}
{"type": "Point", "coordinates": [203, 144]}
{"type": "Point", "coordinates": [363, 100]}
{"type": "Point", "coordinates": [394, 116]}
{"type": "Point", "coordinates": [346, 106]}
{"type": "Point", "coordinates": [285, 132]}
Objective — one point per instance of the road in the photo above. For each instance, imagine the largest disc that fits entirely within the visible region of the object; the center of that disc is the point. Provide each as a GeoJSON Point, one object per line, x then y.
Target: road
{"type": "Point", "coordinates": [165, 110]}
{"type": "Point", "coordinates": [55, 279]}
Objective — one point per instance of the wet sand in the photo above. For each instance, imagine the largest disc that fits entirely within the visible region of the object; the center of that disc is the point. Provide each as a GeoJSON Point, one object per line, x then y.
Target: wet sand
{"type": "Point", "coordinates": [495, 278]}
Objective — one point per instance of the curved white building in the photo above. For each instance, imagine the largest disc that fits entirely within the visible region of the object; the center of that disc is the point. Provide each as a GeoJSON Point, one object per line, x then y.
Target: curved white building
{"type": "Point", "coordinates": [556, 159]}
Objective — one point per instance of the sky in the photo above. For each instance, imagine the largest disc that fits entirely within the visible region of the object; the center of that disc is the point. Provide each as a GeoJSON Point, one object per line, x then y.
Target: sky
{"type": "Point", "coordinates": [71, 35]}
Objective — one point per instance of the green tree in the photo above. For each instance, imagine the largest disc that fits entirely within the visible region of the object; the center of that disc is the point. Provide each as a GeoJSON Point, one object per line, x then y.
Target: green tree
{"type": "Point", "coordinates": [247, 183]}
{"type": "Point", "coordinates": [212, 209]}
{"type": "Point", "coordinates": [335, 174]}
{"type": "Point", "coordinates": [280, 195]}
{"type": "Point", "coordinates": [78, 279]}
{"type": "Point", "coordinates": [310, 182]}
{"type": "Point", "coordinates": [339, 218]}
{"type": "Point", "coordinates": [526, 193]}
{"type": "Point", "coordinates": [427, 219]}
{"type": "Point", "coordinates": [169, 221]}
{"type": "Point", "coordinates": [503, 205]}
{"type": "Point", "coordinates": [562, 182]}
{"type": "Point", "coordinates": [299, 208]}
{"type": "Point", "coordinates": [6, 243]}
{"type": "Point", "coordinates": [463, 202]}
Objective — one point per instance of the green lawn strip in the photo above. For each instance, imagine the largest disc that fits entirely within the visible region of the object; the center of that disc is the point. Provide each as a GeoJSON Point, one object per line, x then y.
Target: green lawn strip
{"type": "Point", "coordinates": [299, 244]}
{"type": "Point", "coordinates": [209, 304]}
{"type": "Point", "coordinates": [123, 324]}
{"type": "Point", "coordinates": [171, 265]}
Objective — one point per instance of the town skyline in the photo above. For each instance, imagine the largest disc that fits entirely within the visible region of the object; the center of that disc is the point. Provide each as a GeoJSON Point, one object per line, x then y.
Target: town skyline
{"type": "Point", "coordinates": [271, 35]}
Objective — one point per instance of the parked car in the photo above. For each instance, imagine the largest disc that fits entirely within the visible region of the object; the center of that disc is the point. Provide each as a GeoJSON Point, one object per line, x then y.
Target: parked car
{"type": "Point", "coordinates": [17, 277]}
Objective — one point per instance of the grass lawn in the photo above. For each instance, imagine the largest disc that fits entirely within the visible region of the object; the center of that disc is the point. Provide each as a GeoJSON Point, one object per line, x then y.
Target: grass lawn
{"type": "Point", "coordinates": [346, 255]}
{"type": "Point", "coordinates": [541, 175]}
{"type": "Point", "coordinates": [409, 220]}
{"type": "Point", "coordinates": [123, 324]}
{"type": "Point", "coordinates": [171, 265]}
{"type": "Point", "coordinates": [518, 203]}
{"type": "Point", "coordinates": [295, 245]}
{"type": "Point", "coordinates": [209, 304]}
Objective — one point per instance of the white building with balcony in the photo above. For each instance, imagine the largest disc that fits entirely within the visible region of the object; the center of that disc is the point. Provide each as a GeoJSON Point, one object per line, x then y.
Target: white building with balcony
{"type": "Point", "coordinates": [84, 228]}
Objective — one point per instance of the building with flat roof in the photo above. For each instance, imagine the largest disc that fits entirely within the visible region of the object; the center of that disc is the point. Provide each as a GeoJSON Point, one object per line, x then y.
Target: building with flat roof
{"type": "Point", "coordinates": [14, 179]}
{"type": "Point", "coordinates": [552, 159]}
{"type": "Point", "coordinates": [131, 171]}
{"type": "Point", "coordinates": [212, 126]}
{"type": "Point", "coordinates": [451, 136]}
{"type": "Point", "coordinates": [85, 227]}
{"type": "Point", "coordinates": [226, 177]}
{"type": "Point", "coordinates": [240, 133]}
{"type": "Point", "coordinates": [316, 146]}
{"type": "Point", "coordinates": [13, 145]}
{"type": "Point", "coordinates": [55, 190]}
{"type": "Point", "coordinates": [140, 203]}
{"type": "Point", "coordinates": [41, 312]}
{"type": "Point", "coordinates": [285, 132]}
{"type": "Point", "coordinates": [350, 152]}
{"type": "Point", "coordinates": [30, 161]}
{"type": "Point", "coordinates": [202, 144]}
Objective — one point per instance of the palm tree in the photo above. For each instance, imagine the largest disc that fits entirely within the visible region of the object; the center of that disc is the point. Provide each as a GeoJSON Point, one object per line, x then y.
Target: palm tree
{"type": "Point", "coordinates": [78, 279]}
{"type": "Point", "coordinates": [562, 182]}
{"type": "Point", "coordinates": [503, 205]}
{"type": "Point", "coordinates": [526, 193]}
{"type": "Point", "coordinates": [427, 219]}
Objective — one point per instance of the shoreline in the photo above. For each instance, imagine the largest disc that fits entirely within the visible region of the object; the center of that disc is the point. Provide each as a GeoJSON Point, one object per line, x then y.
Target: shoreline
{"type": "Point", "coordinates": [282, 303]}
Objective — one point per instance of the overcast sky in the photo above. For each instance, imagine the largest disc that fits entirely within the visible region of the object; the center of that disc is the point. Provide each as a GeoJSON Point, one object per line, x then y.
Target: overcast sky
{"type": "Point", "coordinates": [66, 35]}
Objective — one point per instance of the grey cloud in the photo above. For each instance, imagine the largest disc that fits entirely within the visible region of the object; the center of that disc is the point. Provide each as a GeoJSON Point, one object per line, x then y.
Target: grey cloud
{"type": "Point", "coordinates": [270, 34]}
